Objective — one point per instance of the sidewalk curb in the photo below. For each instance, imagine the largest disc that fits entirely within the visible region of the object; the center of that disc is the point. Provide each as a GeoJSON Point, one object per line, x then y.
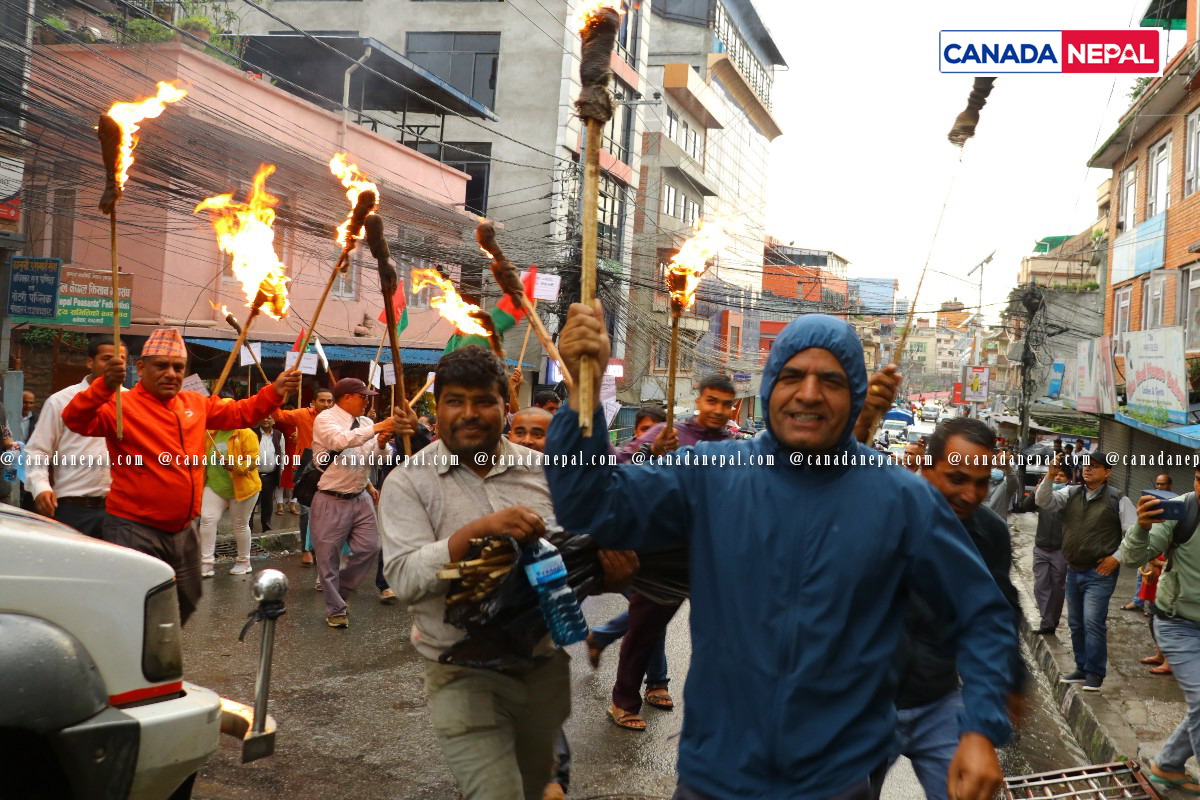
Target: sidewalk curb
{"type": "Point", "coordinates": [1101, 731]}
{"type": "Point", "coordinates": [274, 541]}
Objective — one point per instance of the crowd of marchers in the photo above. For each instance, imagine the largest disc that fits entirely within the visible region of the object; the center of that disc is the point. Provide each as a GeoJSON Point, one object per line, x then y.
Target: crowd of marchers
{"type": "Point", "coordinates": [840, 616]}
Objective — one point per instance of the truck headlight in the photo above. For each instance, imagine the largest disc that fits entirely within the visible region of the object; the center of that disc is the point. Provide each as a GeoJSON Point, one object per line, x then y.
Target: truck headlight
{"type": "Point", "coordinates": [162, 645]}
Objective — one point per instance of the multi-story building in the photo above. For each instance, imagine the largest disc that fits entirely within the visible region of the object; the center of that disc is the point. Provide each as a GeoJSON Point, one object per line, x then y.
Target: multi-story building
{"type": "Point", "coordinates": [517, 135]}
{"type": "Point", "coordinates": [208, 144]}
{"type": "Point", "coordinates": [704, 155]}
{"type": "Point", "coordinates": [1073, 262]}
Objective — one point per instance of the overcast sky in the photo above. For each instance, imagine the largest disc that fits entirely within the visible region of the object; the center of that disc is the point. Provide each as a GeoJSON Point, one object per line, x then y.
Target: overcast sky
{"type": "Point", "coordinates": [864, 166]}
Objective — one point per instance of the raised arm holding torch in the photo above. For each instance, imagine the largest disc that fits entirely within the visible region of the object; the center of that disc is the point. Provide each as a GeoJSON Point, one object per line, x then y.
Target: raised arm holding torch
{"type": "Point", "coordinates": [116, 131]}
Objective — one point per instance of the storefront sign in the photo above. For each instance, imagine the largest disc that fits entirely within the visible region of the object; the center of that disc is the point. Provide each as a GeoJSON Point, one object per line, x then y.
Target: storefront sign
{"type": "Point", "coordinates": [1155, 372]}
{"type": "Point", "coordinates": [33, 289]}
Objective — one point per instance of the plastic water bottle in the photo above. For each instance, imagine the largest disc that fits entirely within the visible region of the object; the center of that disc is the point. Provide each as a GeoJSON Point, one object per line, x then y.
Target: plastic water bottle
{"type": "Point", "coordinates": [548, 574]}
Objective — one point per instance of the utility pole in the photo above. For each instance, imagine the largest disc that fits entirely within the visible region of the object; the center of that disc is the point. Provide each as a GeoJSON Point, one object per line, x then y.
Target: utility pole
{"type": "Point", "coordinates": [977, 345]}
{"type": "Point", "coordinates": [1032, 301]}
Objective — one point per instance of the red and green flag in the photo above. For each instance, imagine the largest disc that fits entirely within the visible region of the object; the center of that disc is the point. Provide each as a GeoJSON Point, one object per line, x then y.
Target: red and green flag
{"type": "Point", "coordinates": [401, 312]}
{"type": "Point", "coordinates": [504, 316]}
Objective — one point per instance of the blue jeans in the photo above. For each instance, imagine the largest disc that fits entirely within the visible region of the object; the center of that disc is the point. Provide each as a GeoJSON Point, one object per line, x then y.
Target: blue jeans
{"type": "Point", "coordinates": [1137, 588]}
{"type": "Point", "coordinates": [609, 632]}
{"type": "Point", "coordinates": [1179, 640]}
{"type": "Point", "coordinates": [1087, 616]}
{"type": "Point", "coordinates": [928, 739]}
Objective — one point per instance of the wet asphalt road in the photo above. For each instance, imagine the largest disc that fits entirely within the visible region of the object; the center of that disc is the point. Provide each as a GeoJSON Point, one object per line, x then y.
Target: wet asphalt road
{"type": "Point", "coordinates": [350, 704]}
{"type": "Point", "coordinates": [352, 720]}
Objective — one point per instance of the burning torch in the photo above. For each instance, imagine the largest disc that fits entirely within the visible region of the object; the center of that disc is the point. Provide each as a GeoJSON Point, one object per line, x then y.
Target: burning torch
{"type": "Point", "coordinates": [599, 24]}
{"type": "Point", "coordinates": [246, 232]}
{"type": "Point", "coordinates": [117, 131]}
{"type": "Point", "coordinates": [683, 276]}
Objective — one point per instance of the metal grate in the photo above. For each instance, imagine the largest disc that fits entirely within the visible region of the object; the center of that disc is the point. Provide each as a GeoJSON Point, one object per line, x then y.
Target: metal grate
{"type": "Point", "coordinates": [1095, 782]}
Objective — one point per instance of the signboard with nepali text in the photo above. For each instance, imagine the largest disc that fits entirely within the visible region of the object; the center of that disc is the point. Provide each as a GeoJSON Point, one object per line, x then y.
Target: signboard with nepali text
{"type": "Point", "coordinates": [1156, 373]}
{"type": "Point", "coordinates": [33, 288]}
{"type": "Point", "coordinates": [85, 298]}
{"type": "Point", "coordinates": [975, 384]}
{"type": "Point", "coordinates": [1095, 391]}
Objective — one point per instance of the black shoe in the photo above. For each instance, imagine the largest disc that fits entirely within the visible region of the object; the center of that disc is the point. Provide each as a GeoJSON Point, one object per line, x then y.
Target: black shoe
{"type": "Point", "coordinates": [1092, 683]}
{"type": "Point", "coordinates": [1078, 676]}
{"type": "Point", "coordinates": [1045, 631]}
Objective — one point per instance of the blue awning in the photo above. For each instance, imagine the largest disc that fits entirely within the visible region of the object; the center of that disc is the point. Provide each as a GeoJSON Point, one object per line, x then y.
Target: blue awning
{"type": "Point", "coordinates": [339, 353]}
{"type": "Point", "coordinates": [1183, 435]}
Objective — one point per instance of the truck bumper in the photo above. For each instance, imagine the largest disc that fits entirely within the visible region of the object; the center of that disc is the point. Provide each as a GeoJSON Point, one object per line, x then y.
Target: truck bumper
{"type": "Point", "coordinates": [177, 737]}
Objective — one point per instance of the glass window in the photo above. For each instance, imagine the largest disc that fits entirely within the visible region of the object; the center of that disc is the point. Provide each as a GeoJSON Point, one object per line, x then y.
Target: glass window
{"type": "Point", "coordinates": [1191, 154]}
{"type": "Point", "coordinates": [610, 222]}
{"type": "Point", "coordinates": [467, 61]}
{"type": "Point", "coordinates": [618, 133]}
{"type": "Point", "coordinates": [669, 197]}
{"type": "Point", "coordinates": [62, 233]}
{"type": "Point", "coordinates": [346, 281]}
{"type": "Point", "coordinates": [627, 37]}
{"type": "Point", "coordinates": [1125, 213]}
{"type": "Point", "coordinates": [475, 159]}
{"type": "Point", "coordinates": [672, 124]}
{"type": "Point", "coordinates": [1158, 192]}
{"type": "Point", "coordinates": [1190, 313]}
{"type": "Point", "coordinates": [1121, 301]}
{"type": "Point", "coordinates": [661, 354]}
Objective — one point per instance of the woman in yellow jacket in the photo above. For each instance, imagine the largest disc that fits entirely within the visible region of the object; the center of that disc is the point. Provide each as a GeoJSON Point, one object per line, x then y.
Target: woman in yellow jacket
{"type": "Point", "coordinates": [231, 482]}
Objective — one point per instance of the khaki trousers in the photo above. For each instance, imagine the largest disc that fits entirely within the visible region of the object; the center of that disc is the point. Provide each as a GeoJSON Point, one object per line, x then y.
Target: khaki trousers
{"type": "Point", "coordinates": [498, 729]}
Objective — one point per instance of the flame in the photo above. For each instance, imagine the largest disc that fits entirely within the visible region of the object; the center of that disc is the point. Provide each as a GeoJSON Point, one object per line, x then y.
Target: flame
{"type": "Point", "coordinates": [128, 115]}
{"type": "Point", "coordinates": [244, 230]}
{"type": "Point", "coordinates": [691, 262]}
{"type": "Point", "coordinates": [355, 181]}
{"type": "Point", "coordinates": [590, 8]}
{"type": "Point", "coordinates": [449, 305]}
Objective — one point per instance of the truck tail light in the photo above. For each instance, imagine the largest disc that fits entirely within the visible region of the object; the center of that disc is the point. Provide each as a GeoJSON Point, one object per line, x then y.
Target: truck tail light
{"type": "Point", "coordinates": [162, 646]}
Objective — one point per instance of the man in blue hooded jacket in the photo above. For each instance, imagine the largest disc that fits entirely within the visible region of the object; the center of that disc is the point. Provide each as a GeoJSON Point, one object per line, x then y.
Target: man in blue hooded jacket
{"type": "Point", "coordinates": [798, 589]}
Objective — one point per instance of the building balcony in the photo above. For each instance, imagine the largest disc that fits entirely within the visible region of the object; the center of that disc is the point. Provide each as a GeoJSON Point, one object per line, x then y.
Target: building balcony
{"type": "Point", "coordinates": [673, 157]}
{"type": "Point", "coordinates": [743, 94]}
{"type": "Point", "coordinates": [695, 96]}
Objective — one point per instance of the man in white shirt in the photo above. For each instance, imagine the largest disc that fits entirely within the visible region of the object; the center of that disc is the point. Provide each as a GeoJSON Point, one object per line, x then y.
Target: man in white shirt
{"type": "Point", "coordinates": [76, 495]}
{"type": "Point", "coordinates": [343, 509]}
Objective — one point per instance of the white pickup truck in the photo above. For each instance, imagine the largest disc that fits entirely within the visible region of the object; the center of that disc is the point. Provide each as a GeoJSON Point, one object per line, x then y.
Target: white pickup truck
{"type": "Point", "coordinates": [93, 703]}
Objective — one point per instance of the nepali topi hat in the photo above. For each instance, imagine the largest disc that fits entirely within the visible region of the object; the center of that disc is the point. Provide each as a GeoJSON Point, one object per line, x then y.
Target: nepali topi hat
{"type": "Point", "coordinates": [165, 342]}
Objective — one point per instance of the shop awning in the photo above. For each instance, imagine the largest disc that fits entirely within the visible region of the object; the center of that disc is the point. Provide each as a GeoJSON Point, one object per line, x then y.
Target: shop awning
{"type": "Point", "coordinates": [1182, 435]}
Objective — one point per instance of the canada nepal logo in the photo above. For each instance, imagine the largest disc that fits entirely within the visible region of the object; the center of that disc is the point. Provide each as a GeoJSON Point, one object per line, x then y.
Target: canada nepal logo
{"type": "Point", "coordinates": [1135, 51]}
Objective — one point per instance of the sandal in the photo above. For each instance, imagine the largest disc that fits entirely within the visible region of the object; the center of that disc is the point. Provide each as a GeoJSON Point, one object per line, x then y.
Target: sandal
{"type": "Point", "coordinates": [1164, 669]}
{"type": "Point", "coordinates": [1131, 607]}
{"type": "Point", "coordinates": [659, 697]}
{"type": "Point", "coordinates": [1185, 784]}
{"type": "Point", "coordinates": [1152, 660]}
{"type": "Point", "coordinates": [626, 719]}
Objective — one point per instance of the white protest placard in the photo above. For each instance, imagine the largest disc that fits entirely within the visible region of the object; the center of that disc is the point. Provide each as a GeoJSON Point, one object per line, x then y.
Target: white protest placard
{"type": "Point", "coordinates": [429, 380]}
{"type": "Point", "coordinates": [321, 353]}
{"type": "Point", "coordinates": [608, 388]}
{"type": "Point", "coordinates": [193, 383]}
{"type": "Point", "coordinates": [308, 364]}
{"type": "Point", "coordinates": [616, 370]}
{"type": "Point", "coordinates": [545, 286]}
{"type": "Point", "coordinates": [249, 354]}
{"type": "Point", "coordinates": [389, 374]}
{"type": "Point", "coordinates": [373, 375]}
{"type": "Point", "coordinates": [611, 407]}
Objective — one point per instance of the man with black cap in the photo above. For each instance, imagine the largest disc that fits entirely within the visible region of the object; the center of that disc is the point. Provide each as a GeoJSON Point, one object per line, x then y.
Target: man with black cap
{"type": "Point", "coordinates": [343, 509]}
{"type": "Point", "coordinates": [1091, 536]}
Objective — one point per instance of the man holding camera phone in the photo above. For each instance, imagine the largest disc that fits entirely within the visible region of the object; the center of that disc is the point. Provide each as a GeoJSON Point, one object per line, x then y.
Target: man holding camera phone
{"type": "Point", "coordinates": [1177, 622]}
{"type": "Point", "coordinates": [1091, 524]}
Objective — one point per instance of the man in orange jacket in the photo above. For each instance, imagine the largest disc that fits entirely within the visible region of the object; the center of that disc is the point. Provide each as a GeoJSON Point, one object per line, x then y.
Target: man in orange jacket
{"type": "Point", "coordinates": [153, 506]}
